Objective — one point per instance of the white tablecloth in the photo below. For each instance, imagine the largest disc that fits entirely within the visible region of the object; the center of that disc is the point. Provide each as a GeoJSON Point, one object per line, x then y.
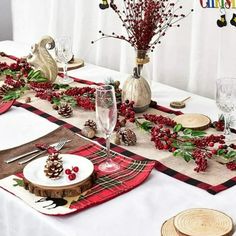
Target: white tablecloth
{"type": "Point", "coordinates": [139, 212]}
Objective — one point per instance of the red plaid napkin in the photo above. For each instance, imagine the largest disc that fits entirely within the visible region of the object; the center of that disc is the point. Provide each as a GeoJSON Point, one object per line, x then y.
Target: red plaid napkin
{"type": "Point", "coordinates": [107, 186]}
{"type": "Point", "coordinates": [5, 106]}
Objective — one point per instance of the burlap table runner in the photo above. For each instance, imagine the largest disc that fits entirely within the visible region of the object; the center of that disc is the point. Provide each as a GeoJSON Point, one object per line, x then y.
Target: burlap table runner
{"type": "Point", "coordinates": [53, 137]}
{"type": "Point", "coordinates": [215, 174]}
{"type": "Point", "coordinates": [216, 178]}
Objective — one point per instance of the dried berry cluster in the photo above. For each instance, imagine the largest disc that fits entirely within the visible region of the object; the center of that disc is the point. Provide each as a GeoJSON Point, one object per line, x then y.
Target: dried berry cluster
{"type": "Point", "coordinates": [15, 78]}
{"type": "Point", "coordinates": [126, 110]}
{"type": "Point", "coordinates": [19, 68]}
{"type": "Point", "coordinates": [145, 21]}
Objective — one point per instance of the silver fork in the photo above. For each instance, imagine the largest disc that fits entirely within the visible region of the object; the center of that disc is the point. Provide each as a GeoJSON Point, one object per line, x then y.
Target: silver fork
{"type": "Point", "coordinates": [58, 147]}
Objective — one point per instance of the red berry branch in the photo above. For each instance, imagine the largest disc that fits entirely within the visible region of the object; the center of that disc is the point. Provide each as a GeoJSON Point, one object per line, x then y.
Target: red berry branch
{"type": "Point", "coordinates": [126, 111]}
{"type": "Point", "coordinates": [145, 21]}
{"type": "Point", "coordinates": [186, 143]}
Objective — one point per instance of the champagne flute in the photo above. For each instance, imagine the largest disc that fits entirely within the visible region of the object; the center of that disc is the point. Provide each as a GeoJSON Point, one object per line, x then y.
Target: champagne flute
{"type": "Point", "coordinates": [64, 54]}
{"type": "Point", "coordinates": [225, 96]}
{"type": "Point", "coordinates": [106, 114]}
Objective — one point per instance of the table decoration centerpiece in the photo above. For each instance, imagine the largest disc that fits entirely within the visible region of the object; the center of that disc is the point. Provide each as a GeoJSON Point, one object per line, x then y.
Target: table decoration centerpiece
{"type": "Point", "coordinates": [41, 60]}
{"type": "Point", "coordinates": [146, 22]}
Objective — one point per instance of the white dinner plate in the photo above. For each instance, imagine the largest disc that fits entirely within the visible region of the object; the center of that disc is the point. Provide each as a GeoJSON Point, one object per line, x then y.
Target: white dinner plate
{"type": "Point", "coordinates": [34, 171]}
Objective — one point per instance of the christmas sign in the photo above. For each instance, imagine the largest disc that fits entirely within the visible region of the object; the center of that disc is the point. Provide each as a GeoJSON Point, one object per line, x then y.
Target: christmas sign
{"type": "Point", "coordinates": [222, 5]}
{"type": "Point", "coordinates": [218, 4]}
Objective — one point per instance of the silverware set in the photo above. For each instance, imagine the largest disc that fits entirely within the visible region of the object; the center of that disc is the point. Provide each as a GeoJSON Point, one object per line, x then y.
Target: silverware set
{"type": "Point", "coordinates": [37, 152]}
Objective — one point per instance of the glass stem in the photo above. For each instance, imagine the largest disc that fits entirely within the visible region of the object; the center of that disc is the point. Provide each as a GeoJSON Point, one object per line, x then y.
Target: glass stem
{"type": "Point", "coordinates": [227, 123]}
{"type": "Point", "coordinates": [108, 147]}
{"type": "Point", "coordinates": [65, 70]}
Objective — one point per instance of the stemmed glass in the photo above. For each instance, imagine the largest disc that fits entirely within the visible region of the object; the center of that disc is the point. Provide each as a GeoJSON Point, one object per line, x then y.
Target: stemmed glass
{"type": "Point", "coordinates": [106, 114]}
{"type": "Point", "coordinates": [64, 54]}
{"type": "Point", "coordinates": [225, 96]}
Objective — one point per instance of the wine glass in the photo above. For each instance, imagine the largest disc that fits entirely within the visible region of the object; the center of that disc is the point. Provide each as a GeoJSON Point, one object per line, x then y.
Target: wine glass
{"type": "Point", "coordinates": [106, 114]}
{"type": "Point", "coordinates": [225, 100]}
{"type": "Point", "coordinates": [64, 54]}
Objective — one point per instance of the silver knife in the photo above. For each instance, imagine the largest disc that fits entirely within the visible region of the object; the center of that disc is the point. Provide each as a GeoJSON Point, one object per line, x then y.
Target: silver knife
{"type": "Point", "coordinates": [28, 153]}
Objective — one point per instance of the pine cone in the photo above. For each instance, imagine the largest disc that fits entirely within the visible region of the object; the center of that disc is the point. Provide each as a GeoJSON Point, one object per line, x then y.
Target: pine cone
{"type": "Point", "coordinates": [88, 132]}
{"type": "Point", "coordinates": [54, 166]}
{"type": "Point", "coordinates": [4, 89]}
{"type": "Point", "coordinates": [127, 136]}
{"type": "Point", "coordinates": [91, 124]}
{"type": "Point", "coordinates": [65, 110]}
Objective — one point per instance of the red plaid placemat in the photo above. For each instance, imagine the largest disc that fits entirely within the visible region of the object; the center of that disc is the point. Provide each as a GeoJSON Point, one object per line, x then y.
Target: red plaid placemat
{"type": "Point", "coordinates": [131, 174]}
{"type": "Point", "coordinates": [107, 186]}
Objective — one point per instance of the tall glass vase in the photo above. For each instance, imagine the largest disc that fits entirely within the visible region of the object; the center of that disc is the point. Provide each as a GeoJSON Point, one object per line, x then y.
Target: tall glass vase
{"type": "Point", "coordinates": [136, 87]}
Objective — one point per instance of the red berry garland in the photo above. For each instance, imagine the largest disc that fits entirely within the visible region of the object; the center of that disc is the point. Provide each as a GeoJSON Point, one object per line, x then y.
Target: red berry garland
{"type": "Point", "coordinates": [200, 158]}
{"type": "Point", "coordinates": [40, 86]}
{"type": "Point", "coordinates": [208, 141]}
{"type": "Point", "coordinates": [85, 97]}
{"type": "Point", "coordinates": [186, 144]}
{"type": "Point", "coordinates": [231, 165]}
{"type": "Point", "coordinates": [13, 82]}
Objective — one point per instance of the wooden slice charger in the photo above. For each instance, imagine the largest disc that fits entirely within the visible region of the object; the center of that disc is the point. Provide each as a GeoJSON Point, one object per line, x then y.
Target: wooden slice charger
{"type": "Point", "coordinates": [203, 222]}
{"type": "Point", "coordinates": [168, 228]}
{"type": "Point", "coordinates": [75, 64]}
{"type": "Point", "coordinates": [193, 121]}
{"type": "Point", "coordinates": [60, 192]}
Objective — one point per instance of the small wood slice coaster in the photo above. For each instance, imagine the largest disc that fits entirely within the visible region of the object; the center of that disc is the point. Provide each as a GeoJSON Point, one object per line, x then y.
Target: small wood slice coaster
{"type": "Point", "coordinates": [168, 228]}
{"type": "Point", "coordinates": [203, 222]}
{"type": "Point", "coordinates": [55, 192]}
{"type": "Point", "coordinates": [193, 121]}
{"type": "Point", "coordinates": [177, 105]}
{"type": "Point", "coordinates": [77, 63]}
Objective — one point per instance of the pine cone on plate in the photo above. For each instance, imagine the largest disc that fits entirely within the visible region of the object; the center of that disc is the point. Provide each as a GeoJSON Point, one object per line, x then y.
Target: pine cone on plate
{"type": "Point", "coordinates": [65, 110]}
{"type": "Point", "coordinates": [91, 124]}
{"type": "Point", "coordinates": [54, 166]}
{"type": "Point", "coordinates": [127, 136]}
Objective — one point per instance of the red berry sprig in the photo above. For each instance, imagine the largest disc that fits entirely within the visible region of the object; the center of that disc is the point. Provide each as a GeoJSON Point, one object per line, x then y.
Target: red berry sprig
{"type": "Point", "coordinates": [208, 141]}
{"type": "Point", "coordinates": [200, 158]}
{"type": "Point", "coordinates": [159, 119]}
{"type": "Point", "coordinates": [126, 110]}
{"type": "Point", "coordinates": [146, 21]}
{"type": "Point", "coordinates": [219, 125]}
{"type": "Point", "coordinates": [231, 165]}
{"type": "Point", "coordinates": [85, 97]}
{"type": "Point", "coordinates": [71, 173]}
